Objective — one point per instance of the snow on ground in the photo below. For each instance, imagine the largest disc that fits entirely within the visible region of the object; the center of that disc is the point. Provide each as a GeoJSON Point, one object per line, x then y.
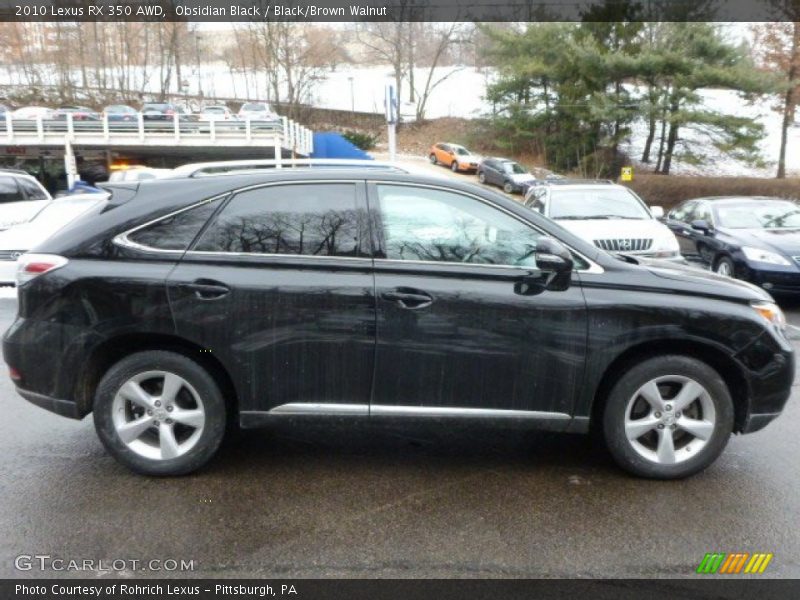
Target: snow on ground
{"type": "Point", "coordinates": [461, 91]}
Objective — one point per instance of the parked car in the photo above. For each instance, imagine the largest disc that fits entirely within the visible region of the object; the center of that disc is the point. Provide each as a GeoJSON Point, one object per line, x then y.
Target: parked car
{"type": "Point", "coordinates": [454, 156]}
{"type": "Point", "coordinates": [610, 216]}
{"type": "Point", "coordinates": [21, 197]}
{"type": "Point", "coordinates": [138, 173]}
{"type": "Point", "coordinates": [505, 173]}
{"type": "Point", "coordinates": [752, 238]}
{"type": "Point", "coordinates": [261, 296]}
{"type": "Point", "coordinates": [216, 113]}
{"type": "Point", "coordinates": [79, 113]}
{"type": "Point", "coordinates": [165, 111]}
{"type": "Point", "coordinates": [120, 112]}
{"type": "Point", "coordinates": [257, 111]}
{"type": "Point", "coordinates": [17, 240]}
{"type": "Point", "coordinates": [32, 112]}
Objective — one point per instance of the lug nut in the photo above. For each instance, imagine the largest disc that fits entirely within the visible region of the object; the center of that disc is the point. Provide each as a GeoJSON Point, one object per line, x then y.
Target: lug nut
{"type": "Point", "coordinates": [661, 426]}
{"type": "Point", "coordinates": [170, 408]}
{"type": "Point", "coordinates": [673, 426]}
{"type": "Point", "coordinates": [677, 415]}
{"type": "Point", "coordinates": [169, 421]}
{"type": "Point", "coordinates": [156, 422]}
{"type": "Point", "coordinates": [668, 407]}
{"type": "Point", "coordinates": [158, 403]}
{"type": "Point", "coordinates": [149, 412]}
{"type": "Point", "coordinates": [658, 415]}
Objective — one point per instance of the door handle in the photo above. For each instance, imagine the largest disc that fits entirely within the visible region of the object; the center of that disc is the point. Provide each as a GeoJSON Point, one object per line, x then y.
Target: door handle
{"type": "Point", "coordinates": [411, 300]}
{"type": "Point", "coordinates": [205, 289]}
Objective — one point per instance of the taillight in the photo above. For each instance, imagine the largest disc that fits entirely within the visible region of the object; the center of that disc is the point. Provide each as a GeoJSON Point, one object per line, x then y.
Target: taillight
{"type": "Point", "coordinates": [14, 374]}
{"type": "Point", "coordinates": [30, 266]}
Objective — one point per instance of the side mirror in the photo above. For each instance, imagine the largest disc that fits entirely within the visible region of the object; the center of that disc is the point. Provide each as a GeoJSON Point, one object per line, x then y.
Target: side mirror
{"type": "Point", "coordinates": [657, 212]}
{"type": "Point", "coordinates": [553, 272]}
{"type": "Point", "coordinates": [701, 225]}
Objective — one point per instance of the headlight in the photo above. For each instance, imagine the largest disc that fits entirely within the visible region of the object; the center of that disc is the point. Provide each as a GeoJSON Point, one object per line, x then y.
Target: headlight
{"type": "Point", "coordinates": [771, 312]}
{"type": "Point", "coordinates": [667, 247]}
{"type": "Point", "coordinates": [764, 256]}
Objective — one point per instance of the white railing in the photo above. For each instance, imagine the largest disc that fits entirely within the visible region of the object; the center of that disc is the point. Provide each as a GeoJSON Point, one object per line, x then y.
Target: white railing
{"type": "Point", "coordinates": [175, 130]}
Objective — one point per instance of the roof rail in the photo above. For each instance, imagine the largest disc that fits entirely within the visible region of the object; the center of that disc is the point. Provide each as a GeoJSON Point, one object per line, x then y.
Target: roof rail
{"type": "Point", "coordinates": [230, 167]}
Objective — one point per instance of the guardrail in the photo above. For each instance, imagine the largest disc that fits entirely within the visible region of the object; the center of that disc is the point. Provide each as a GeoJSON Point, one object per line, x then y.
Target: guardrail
{"type": "Point", "coordinates": [141, 130]}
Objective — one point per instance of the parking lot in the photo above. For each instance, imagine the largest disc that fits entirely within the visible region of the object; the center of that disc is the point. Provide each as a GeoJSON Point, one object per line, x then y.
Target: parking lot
{"type": "Point", "coordinates": [429, 501]}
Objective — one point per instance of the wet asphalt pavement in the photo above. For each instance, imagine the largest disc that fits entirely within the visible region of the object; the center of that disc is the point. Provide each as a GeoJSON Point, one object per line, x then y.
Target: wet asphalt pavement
{"type": "Point", "coordinates": [432, 501]}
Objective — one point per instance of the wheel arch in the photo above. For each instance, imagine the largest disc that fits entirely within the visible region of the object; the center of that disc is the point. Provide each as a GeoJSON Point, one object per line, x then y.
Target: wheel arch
{"type": "Point", "coordinates": [115, 349]}
{"type": "Point", "coordinates": [727, 367]}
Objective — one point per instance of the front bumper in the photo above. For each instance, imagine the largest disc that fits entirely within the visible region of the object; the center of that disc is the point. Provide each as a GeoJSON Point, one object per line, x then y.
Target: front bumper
{"type": "Point", "coordinates": [775, 280]}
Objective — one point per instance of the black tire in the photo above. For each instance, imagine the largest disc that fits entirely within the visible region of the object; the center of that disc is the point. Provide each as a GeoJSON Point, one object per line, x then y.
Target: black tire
{"type": "Point", "coordinates": [482, 177]}
{"type": "Point", "coordinates": [454, 167]}
{"type": "Point", "coordinates": [432, 158]}
{"type": "Point", "coordinates": [213, 429]}
{"type": "Point", "coordinates": [616, 407]}
{"type": "Point", "coordinates": [723, 263]}
{"type": "Point", "coordinates": [508, 187]}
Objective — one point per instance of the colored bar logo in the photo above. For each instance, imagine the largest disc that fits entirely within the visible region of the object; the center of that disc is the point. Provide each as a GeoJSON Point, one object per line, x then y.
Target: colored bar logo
{"type": "Point", "coordinates": [734, 563]}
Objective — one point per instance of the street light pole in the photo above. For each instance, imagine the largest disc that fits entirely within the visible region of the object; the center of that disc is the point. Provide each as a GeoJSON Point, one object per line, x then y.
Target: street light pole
{"type": "Point", "coordinates": [352, 96]}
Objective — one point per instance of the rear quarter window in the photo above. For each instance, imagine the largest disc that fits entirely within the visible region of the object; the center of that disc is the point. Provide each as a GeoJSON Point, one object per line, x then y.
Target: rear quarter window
{"type": "Point", "coordinates": [175, 232]}
{"type": "Point", "coordinates": [9, 190]}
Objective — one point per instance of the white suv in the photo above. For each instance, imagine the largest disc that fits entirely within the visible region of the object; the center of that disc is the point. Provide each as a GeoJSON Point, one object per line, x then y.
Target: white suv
{"type": "Point", "coordinates": [610, 216]}
{"type": "Point", "coordinates": [21, 197]}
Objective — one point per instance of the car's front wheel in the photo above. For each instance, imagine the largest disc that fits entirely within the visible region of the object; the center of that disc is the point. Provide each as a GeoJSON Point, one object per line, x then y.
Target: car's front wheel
{"type": "Point", "coordinates": [668, 417]}
{"type": "Point", "coordinates": [508, 187]}
{"type": "Point", "coordinates": [724, 266]}
{"type": "Point", "coordinates": [159, 413]}
{"type": "Point", "coordinates": [454, 167]}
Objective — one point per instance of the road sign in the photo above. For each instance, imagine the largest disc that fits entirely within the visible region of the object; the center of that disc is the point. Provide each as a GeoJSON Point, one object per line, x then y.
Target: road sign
{"type": "Point", "coordinates": [627, 174]}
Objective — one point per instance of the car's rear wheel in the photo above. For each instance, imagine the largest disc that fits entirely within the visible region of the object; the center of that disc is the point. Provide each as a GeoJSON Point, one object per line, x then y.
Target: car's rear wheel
{"type": "Point", "coordinates": [724, 266]}
{"type": "Point", "coordinates": [454, 167]}
{"type": "Point", "coordinates": [432, 158]}
{"type": "Point", "coordinates": [668, 417]}
{"type": "Point", "coordinates": [508, 187]}
{"type": "Point", "coordinates": [159, 413]}
{"type": "Point", "coordinates": [481, 176]}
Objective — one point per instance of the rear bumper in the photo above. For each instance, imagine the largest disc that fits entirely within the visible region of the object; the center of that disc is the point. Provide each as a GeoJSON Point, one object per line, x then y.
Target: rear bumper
{"type": "Point", "coordinates": [65, 408]}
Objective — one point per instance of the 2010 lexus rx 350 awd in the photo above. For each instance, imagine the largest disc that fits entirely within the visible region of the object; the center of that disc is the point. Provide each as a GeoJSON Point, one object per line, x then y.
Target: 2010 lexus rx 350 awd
{"type": "Point", "coordinates": [182, 304]}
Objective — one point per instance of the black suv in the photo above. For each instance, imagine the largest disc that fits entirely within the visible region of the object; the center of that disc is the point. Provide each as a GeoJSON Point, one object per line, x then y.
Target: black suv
{"type": "Point", "coordinates": [184, 304]}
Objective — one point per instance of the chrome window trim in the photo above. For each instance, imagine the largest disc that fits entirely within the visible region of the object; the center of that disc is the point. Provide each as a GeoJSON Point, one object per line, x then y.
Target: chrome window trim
{"type": "Point", "coordinates": [123, 240]}
{"type": "Point", "coordinates": [593, 267]}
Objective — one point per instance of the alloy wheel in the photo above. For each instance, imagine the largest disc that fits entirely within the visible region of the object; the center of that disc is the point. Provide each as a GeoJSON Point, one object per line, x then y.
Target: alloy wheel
{"type": "Point", "coordinates": [724, 268]}
{"type": "Point", "coordinates": [158, 415]}
{"type": "Point", "coordinates": [670, 419]}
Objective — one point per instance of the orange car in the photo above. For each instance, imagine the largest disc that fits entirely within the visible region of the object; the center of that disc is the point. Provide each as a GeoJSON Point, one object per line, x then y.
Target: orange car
{"type": "Point", "coordinates": [454, 156]}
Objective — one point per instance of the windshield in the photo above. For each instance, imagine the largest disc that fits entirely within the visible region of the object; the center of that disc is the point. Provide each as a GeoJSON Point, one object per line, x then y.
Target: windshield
{"type": "Point", "coordinates": [254, 107]}
{"type": "Point", "coordinates": [214, 110]}
{"type": "Point", "coordinates": [155, 106]}
{"type": "Point", "coordinates": [779, 214]}
{"type": "Point", "coordinates": [512, 167]}
{"type": "Point", "coordinates": [612, 203]}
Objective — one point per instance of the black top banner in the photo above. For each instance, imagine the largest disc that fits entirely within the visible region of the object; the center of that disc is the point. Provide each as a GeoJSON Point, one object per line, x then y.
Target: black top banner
{"type": "Point", "coordinates": [399, 10]}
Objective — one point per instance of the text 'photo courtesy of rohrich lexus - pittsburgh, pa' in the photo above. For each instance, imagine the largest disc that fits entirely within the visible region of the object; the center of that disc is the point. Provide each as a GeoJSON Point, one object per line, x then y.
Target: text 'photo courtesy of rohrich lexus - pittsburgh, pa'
{"type": "Point", "coordinates": [177, 309]}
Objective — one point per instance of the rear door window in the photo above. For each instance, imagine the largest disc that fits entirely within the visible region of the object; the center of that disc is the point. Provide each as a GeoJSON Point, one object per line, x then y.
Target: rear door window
{"type": "Point", "coordinates": [309, 219]}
